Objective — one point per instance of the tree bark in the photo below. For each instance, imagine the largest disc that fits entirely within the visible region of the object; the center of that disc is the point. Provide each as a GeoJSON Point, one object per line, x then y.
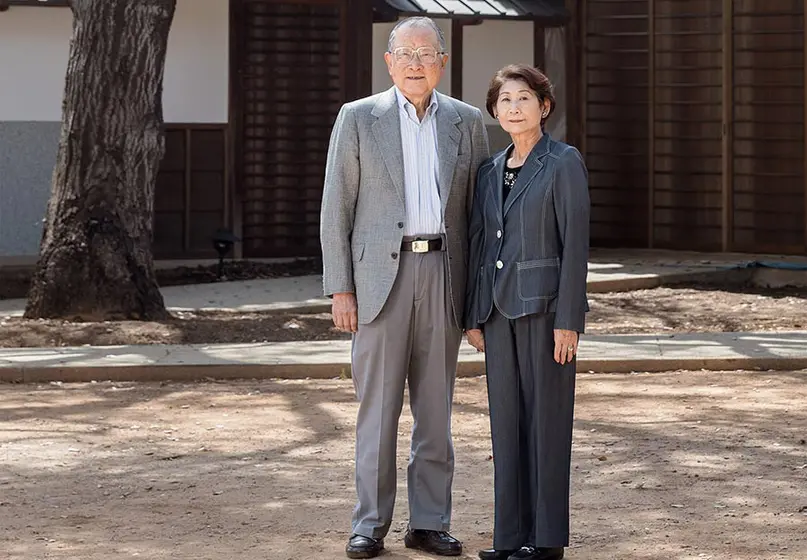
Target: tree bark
{"type": "Point", "coordinates": [95, 257]}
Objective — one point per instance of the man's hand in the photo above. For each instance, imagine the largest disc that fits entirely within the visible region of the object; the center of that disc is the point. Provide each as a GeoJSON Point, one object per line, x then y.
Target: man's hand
{"type": "Point", "coordinates": [345, 312]}
{"type": "Point", "coordinates": [476, 339]}
{"type": "Point", "coordinates": [565, 346]}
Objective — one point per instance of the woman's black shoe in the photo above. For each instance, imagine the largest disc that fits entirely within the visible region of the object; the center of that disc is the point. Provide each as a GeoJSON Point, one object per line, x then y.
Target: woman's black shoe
{"type": "Point", "coordinates": [530, 552]}
{"type": "Point", "coordinates": [493, 554]}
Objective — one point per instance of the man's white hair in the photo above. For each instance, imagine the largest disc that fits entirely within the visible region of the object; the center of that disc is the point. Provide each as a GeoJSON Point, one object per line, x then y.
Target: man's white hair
{"type": "Point", "coordinates": [421, 22]}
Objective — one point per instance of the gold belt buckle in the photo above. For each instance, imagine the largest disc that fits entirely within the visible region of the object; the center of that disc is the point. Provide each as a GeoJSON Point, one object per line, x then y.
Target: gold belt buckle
{"type": "Point", "coordinates": [420, 246]}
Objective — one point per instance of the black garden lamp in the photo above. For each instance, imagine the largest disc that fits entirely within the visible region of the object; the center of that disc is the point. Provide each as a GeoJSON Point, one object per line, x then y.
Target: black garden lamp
{"type": "Point", "coordinates": [223, 241]}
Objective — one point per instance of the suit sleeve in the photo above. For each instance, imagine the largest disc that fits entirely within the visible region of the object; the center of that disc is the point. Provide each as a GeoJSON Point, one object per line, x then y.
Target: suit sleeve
{"type": "Point", "coordinates": [338, 209]}
{"type": "Point", "coordinates": [480, 151]}
{"type": "Point", "coordinates": [476, 237]}
{"type": "Point", "coordinates": [572, 210]}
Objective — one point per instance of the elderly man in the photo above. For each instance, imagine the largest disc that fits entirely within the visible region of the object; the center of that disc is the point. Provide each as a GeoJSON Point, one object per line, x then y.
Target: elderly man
{"type": "Point", "coordinates": [398, 188]}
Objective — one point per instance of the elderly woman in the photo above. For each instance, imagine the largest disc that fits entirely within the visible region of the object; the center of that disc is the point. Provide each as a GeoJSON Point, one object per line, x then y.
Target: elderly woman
{"type": "Point", "coordinates": [526, 308]}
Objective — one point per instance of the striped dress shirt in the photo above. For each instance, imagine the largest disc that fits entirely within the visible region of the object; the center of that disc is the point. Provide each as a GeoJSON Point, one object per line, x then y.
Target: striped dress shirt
{"type": "Point", "coordinates": [424, 213]}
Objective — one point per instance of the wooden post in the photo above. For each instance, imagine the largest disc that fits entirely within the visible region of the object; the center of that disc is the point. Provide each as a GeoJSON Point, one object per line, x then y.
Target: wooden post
{"type": "Point", "coordinates": [575, 75]}
{"type": "Point", "coordinates": [357, 30]}
{"type": "Point", "coordinates": [804, 36]}
{"type": "Point", "coordinates": [651, 121]}
{"type": "Point", "coordinates": [728, 125]}
{"type": "Point", "coordinates": [186, 231]}
{"type": "Point", "coordinates": [457, 28]}
{"type": "Point", "coordinates": [539, 46]}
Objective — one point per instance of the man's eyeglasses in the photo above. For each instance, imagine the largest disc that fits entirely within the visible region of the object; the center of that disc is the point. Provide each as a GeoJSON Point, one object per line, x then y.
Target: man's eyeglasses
{"type": "Point", "coordinates": [426, 55]}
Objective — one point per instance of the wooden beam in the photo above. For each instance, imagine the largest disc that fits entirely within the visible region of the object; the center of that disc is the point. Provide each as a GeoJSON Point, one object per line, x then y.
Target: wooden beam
{"type": "Point", "coordinates": [651, 121]}
{"type": "Point", "coordinates": [582, 70]}
{"type": "Point", "coordinates": [539, 46]}
{"type": "Point", "coordinates": [575, 75]}
{"type": "Point", "coordinates": [457, 34]}
{"type": "Point", "coordinates": [186, 232]}
{"type": "Point", "coordinates": [357, 41]}
{"type": "Point", "coordinates": [727, 202]}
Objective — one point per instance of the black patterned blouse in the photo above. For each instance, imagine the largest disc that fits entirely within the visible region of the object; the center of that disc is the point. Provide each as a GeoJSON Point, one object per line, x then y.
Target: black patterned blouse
{"type": "Point", "coordinates": [510, 176]}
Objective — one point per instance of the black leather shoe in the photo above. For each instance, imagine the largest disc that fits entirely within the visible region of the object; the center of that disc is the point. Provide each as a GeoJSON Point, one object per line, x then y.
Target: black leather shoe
{"type": "Point", "coordinates": [493, 554]}
{"type": "Point", "coordinates": [433, 542]}
{"type": "Point", "coordinates": [530, 552]}
{"type": "Point", "coordinates": [360, 546]}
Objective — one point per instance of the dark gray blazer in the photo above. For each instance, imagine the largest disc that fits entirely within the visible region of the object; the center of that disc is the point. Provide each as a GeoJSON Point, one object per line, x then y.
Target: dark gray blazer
{"type": "Point", "coordinates": [531, 255]}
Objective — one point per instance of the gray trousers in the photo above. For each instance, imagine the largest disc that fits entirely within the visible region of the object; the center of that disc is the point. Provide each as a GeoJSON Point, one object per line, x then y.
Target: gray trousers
{"type": "Point", "coordinates": [413, 339]}
{"type": "Point", "coordinates": [531, 400]}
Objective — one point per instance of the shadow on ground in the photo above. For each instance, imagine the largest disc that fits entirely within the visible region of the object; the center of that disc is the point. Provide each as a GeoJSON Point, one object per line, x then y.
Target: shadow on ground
{"type": "Point", "coordinates": [665, 466]}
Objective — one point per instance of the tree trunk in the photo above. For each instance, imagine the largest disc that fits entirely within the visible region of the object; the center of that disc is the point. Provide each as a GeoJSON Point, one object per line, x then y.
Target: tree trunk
{"type": "Point", "coordinates": [95, 257]}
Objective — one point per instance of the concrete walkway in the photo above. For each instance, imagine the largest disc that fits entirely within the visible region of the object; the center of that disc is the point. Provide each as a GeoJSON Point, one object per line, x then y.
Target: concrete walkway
{"type": "Point", "coordinates": [600, 354]}
{"type": "Point", "coordinates": [609, 270]}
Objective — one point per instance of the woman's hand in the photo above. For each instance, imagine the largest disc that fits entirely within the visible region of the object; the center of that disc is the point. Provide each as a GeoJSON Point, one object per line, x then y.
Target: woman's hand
{"type": "Point", "coordinates": [565, 346]}
{"type": "Point", "coordinates": [476, 339]}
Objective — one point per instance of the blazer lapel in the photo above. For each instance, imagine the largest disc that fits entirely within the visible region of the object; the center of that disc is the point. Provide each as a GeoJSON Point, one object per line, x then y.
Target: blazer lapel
{"type": "Point", "coordinates": [498, 183]}
{"type": "Point", "coordinates": [531, 168]}
{"type": "Point", "coordinates": [387, 132]}
{"type": "Point", "coordinates": [448, 144]}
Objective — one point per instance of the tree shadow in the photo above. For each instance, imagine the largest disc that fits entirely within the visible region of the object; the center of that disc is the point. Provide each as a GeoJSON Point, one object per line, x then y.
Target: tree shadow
{"type": "Point", "coordinates": [665, 466]}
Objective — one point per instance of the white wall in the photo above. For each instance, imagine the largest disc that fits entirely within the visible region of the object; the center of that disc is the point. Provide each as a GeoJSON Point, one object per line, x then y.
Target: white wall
{"type": "Point", "coordinates": [35, 42]}
{"type": "Point", "coordinates": [488, 47]}
{"type": "Point", "coordinates": [381, 79]}
{"type": "Point", "coordinates": [197, 66]}
{"type": "Point", "coordinates": [34, 45]}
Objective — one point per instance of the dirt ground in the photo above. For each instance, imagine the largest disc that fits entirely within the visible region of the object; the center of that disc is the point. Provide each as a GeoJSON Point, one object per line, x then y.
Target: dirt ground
{"type": "Point", "coordinates": [671, 466]}
{"type": "Point", "coordinates": [680, 309]}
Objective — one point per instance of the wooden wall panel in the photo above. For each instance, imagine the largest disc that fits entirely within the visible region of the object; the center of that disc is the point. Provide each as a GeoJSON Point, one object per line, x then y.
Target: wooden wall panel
{"type": "Point", "coordinates": [687, 124]}
{"type": "Point", "coordinates": [768, 139]}
{"type": "Point", "coordinates": [190, 195]}
{"type": "Point", "coordinates": [695, 123]}
{"type": "Point", "coordinates": [616, 125]}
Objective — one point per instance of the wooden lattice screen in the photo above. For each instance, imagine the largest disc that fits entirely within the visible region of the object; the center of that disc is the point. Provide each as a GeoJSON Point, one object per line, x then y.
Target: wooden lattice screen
{"type": "Point", "coordinates": [191, 198]}
{"type": "Point", "coordinates": [290, 66]}
{"type": "Point", "coordinates": [695, 123]}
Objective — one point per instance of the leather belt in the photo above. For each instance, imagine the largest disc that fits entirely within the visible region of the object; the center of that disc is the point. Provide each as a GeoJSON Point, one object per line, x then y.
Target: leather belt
{"type": "Point", "coordinates": [422, 245]}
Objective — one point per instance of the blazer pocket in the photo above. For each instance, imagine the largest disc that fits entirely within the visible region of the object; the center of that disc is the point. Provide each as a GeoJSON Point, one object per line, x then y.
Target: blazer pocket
{"type": "Point", "coordinates": [358, 252]}
{"type": "Point", "coordinates": [538, 279]}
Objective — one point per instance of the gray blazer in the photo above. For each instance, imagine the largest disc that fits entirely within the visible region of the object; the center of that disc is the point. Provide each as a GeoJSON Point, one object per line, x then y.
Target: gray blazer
{"type": "Point", "coordinates": [530, 254]}
{"type": "Point", "coordinates": [363, 212]}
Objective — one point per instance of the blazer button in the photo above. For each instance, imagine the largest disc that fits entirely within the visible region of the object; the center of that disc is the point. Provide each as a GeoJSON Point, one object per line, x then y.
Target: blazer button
{"type": "Point", "coordinates": [499, 264]}
{"type": "Point", "coordinates": [394, 256]}
{"type": "Point", "coordinates": [400, 225]}
{"type": "Point", "coordinates": [499, 233]}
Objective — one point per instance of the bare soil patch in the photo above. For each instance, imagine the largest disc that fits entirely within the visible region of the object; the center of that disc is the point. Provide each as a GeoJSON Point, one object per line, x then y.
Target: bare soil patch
{"type": "Point", "coordinates": [671, 466]}
{"type": "Point", "coordinates": [665, 310]}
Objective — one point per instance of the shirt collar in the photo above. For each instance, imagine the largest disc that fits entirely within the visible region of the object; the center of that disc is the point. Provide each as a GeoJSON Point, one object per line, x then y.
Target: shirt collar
{"type": "Point", "coordinates": [403, 102]}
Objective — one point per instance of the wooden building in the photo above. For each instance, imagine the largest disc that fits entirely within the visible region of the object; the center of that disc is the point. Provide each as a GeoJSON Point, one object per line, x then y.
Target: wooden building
{"type": "Point", "coordinates": [690, 113]}
{"type": "Point", "coordinates": [252, 89]}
